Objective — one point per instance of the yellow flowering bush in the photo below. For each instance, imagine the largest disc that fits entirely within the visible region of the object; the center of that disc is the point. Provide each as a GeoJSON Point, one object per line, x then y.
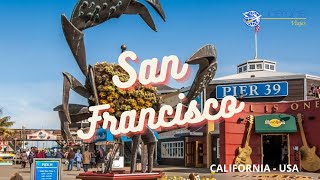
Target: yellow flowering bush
{"type": "Point", "coordinates": [120, 100]}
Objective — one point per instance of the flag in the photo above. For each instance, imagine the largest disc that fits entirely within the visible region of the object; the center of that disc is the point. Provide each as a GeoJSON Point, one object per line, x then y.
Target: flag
{"type": "Point", "coordinates": [257, 28]}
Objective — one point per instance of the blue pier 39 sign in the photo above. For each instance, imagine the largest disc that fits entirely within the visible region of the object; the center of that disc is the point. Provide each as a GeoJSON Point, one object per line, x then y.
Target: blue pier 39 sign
{"type": "Point", "coordinates": [268, 89]}
{"type": "Point", "coordinates": [46, 169]}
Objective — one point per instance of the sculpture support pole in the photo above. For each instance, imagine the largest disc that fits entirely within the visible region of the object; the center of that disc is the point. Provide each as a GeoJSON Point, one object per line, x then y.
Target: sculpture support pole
{"type": "Point", "coordinates": [135, 143]}
{"type": "Point", "coordinates": [144, 157]}
{"type": "Point", "coordinates": [150, 149]}
{"type": "Point", "coordinates": [156, 154]}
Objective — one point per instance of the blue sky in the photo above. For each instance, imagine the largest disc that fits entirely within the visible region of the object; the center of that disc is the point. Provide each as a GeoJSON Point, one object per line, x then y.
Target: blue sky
{"type": "Point", "coordinates": [34, 53]}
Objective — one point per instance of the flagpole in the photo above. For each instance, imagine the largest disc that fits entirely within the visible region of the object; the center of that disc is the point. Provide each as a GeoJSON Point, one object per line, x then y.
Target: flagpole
{"type": "Point", "coordinates": [256, 43]}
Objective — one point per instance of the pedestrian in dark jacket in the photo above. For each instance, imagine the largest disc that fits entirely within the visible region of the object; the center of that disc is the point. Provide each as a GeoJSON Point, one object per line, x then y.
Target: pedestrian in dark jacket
{"type": "Point", "coordinates": [98, 159]}
{"type": "Point", "coordinates": [59, 154]}
{"type": "Point", "coordinates": [93, 159]}
{"type": "Point", "coordinates": [30, 157]}
{"type": "Point", "coordinates": [70, 158]}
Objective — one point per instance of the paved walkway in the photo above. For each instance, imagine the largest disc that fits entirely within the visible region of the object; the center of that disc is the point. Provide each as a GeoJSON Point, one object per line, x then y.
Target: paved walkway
{"type": "Point", "coordinates": [7, 171]}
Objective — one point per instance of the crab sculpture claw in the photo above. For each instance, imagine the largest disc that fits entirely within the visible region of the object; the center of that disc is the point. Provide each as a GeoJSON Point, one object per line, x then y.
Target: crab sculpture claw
{"type": "Point", "coordinates": [206, 58]}
{"type": "Point", "coordinates": [89, 13]}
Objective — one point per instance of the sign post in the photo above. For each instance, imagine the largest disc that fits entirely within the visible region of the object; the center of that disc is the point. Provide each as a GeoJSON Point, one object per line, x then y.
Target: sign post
{"type": "Point", "coordinates": [46, 169]}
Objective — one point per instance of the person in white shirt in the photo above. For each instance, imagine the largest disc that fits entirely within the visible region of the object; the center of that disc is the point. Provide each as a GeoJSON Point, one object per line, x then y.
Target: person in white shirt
{"type": "Point", "coordinates": [28, 152]}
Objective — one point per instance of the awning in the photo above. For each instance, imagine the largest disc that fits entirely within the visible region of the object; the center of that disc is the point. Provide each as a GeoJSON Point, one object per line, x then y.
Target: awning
{"type": "Point", "coordinates": [103, 135]}
{"type": "Point", "coordinates": [275, 123]}
{"type": "Point", "coordinates": [190, 134]}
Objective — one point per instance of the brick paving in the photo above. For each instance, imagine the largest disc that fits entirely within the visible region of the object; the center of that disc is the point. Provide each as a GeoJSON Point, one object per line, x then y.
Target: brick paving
{"type": "Point", "coordinates": [7, 171]}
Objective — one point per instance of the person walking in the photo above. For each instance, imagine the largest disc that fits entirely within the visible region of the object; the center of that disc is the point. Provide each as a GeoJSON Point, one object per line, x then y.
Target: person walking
{"type": "Point", "coordinates": [28, 152]}
{"type": "Point", "coordinates": [59, 154]}
{"type": "Point", "coordinates": [108, 161]}
{"type": "Point", "coordinates": [24, 159]}
{"type": "Point", "coordinates": [48, 154]}
{"type": "Point", "coordinates": [99, 160]}
{"type": "Point", "coordinates": [30, 157]}
{"type": "Point", "coordinates": [78, 158]}
{"type": "Point", "coordinates": [93, 160]}
{"type": "Point", "coordinates": [40, 154]}
{"type": "Point", "coordinates": [86, 159]}
{"type": "Point", "coordinates": [97, 154]}
{"type": "Point", "coordinates": [70, 157]}
{"type": "Point", "coordinates": [66, 154]}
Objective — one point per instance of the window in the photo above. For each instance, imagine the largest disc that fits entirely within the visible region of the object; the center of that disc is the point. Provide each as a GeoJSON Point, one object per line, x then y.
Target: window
{"type": "Point", "coordinates": [252, 66]}
{"type": "Point", "coordinates": [245, 68]}
{"type": "Point", "coordinates": [172, 149]}
{"type": "Point", "coordinates": [271, 67]}
{"type": "Point", "coordinates": [266, 66]}
{"type": "Point", "coordinates": [240, 69]}
{"type": "Point", "coordinates": [259, 66]}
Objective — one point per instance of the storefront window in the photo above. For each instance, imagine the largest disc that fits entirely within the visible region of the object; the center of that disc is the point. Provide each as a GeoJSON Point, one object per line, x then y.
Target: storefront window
{"type": "Point", "coordinates": [172, 149]}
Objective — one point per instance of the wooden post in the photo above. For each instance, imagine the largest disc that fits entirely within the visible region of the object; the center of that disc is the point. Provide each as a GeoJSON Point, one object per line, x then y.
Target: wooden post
{"type": "Point", "coordinates": [210, 127]}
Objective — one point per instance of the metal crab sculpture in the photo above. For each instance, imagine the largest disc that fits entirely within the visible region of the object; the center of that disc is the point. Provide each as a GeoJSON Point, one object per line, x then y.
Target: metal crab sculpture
{"type": "Point", "coordinates": [88, 13]}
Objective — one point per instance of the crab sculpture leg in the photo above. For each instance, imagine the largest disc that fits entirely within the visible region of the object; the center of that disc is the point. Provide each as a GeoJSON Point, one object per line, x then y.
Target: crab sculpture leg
{"type": "Point", "coordinates": [77, 113]}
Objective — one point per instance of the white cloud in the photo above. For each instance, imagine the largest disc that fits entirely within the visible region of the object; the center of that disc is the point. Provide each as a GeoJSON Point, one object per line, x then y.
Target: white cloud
{"type": "Point", "coordinates": [31, 104]}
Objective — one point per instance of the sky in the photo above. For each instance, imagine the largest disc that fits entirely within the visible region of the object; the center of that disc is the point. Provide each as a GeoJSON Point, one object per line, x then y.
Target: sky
{"type": "Point", "coordinates": [34, 53]}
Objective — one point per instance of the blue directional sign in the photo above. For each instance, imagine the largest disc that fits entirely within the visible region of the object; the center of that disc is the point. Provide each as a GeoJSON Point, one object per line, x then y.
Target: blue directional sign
{"type": "Point", "coordinates": [268, 89]}
{"type": "Point", "coordinates": [46, 169]}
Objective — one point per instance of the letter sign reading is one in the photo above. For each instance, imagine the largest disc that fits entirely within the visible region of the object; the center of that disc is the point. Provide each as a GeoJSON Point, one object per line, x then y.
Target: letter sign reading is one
{"type": "Point", "coordinates": [268, 89]}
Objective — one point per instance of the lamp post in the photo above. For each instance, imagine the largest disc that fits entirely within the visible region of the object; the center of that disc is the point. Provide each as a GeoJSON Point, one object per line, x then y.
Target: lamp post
{"type": "Point", "coordinates": [15, 150]}
{"type": "Point", "coordinates": [23, 136]}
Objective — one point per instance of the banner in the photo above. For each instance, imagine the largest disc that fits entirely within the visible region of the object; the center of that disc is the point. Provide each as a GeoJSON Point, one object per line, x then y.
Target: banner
{"type": "Point", "coordinates": [42, 135]}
